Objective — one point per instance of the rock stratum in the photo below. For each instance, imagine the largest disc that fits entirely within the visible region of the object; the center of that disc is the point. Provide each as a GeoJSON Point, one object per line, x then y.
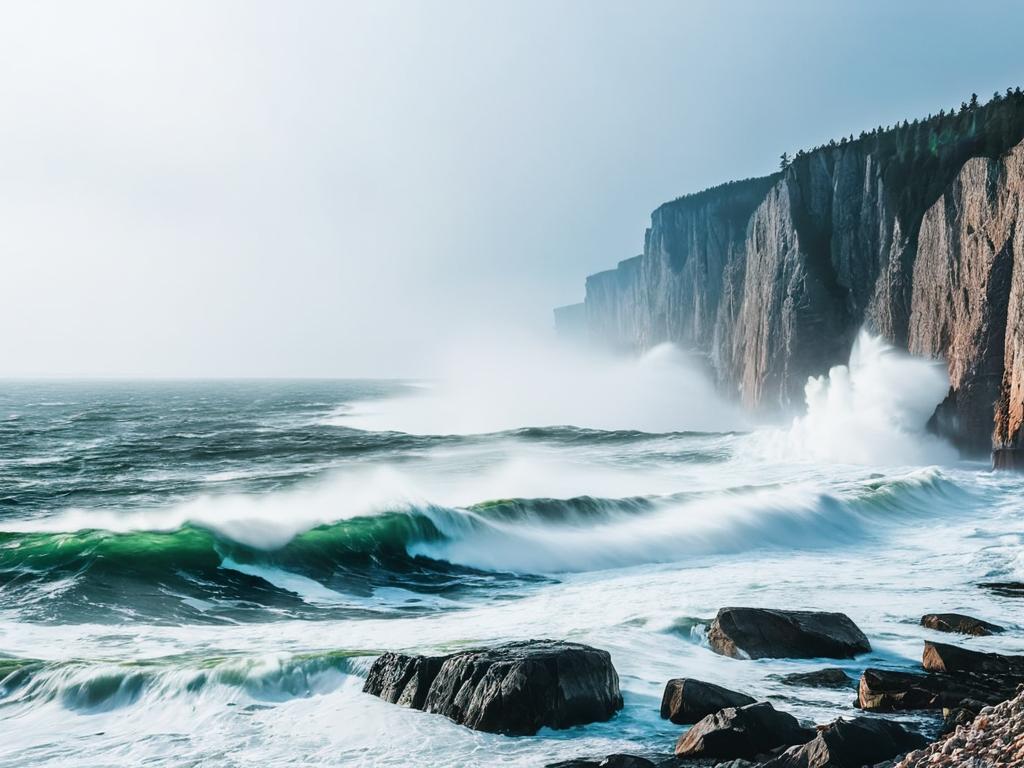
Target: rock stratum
{"type": "Point", "coordinates": [915, 232]}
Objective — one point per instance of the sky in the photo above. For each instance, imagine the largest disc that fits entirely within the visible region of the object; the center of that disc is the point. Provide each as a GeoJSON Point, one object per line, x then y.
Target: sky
{"type": "Point", "coordinates": [193, 188]}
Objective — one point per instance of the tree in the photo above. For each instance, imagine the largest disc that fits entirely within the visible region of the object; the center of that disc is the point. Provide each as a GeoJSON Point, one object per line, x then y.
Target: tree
{"type": "Point", "coordinates": [974, 101]}
{"type": "Point", "coordinates": [783, 161]}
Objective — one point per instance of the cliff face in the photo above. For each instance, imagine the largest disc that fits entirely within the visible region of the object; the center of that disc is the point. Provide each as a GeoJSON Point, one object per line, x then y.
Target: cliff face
{"type": "Point", "coordinates": [916, 233]}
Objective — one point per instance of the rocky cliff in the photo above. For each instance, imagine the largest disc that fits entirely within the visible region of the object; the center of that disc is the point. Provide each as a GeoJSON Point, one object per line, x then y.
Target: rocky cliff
{"type": "Point", "coordinates": [916, 232]}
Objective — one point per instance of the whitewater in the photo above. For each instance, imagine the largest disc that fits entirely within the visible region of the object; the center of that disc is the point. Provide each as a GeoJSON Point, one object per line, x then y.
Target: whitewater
{"type": "Point", "coordinates": [200, 573]}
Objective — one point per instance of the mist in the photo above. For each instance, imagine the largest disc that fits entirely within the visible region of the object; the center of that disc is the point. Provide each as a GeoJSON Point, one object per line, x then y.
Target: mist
{"type": "Point", "coordinates": [337, 189]}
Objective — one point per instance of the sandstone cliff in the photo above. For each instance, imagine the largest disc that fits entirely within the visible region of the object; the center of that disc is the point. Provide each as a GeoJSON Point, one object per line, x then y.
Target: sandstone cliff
{"type": "Point", "coordinates": [916, 232]}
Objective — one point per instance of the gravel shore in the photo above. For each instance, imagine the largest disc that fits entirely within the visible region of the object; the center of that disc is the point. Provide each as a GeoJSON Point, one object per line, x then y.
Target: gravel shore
{"type": "Point", "coordinates": [995, 739]}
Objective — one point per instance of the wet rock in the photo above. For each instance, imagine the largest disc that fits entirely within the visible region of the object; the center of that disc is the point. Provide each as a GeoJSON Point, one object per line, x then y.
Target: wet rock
{"type": "Point", "coordinates": [401, 679]}
{"type": "Point", "coordinates": [686, 701]}
{"type": "Point", "coordinates": [514, 689]}
{"type": "Point", "coordinates": [887, 691]}
{"type": "Point", "coordinates": [830, 677]}
{"type": "Point", "coordinates": [940, 657]}
{"type": "Point", "coordinates": [743, 732]}
{"type": "Point", "coordinates": [1005, 588]}
{"type": "Point", "coordinates": [612, 761]}
{"type": "Point", "coordinates": [850, 744]}
{"type": "Point", "coordinates": [760, 633]}
{"type": "Point", "coordinates": [959, 623]}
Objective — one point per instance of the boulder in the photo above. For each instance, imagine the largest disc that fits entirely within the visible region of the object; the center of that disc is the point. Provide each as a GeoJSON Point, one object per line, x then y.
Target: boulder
{"type": "Point", "coordinates": [743, 732]}
{"type": "Point", "coordinates": [686, 701]}
{"type": "Point", "coordinates": [883, 690]}
{"type": "Point", "coordinates": [514, 689]}
{"type": "Point", "coordinates": [761, 633]}
{"type": "Point", "coordinates": [850, 744]}
{"type": "Point", "coordinates": [940, 657]}
{"type": "Point", "coordinates": [959, 623]}
{"type": "Point", "coordinates": [830, 677]}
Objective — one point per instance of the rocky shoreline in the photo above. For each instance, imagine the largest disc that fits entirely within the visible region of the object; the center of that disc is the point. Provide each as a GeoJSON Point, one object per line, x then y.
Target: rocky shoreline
{"type": "Point", "coordinates": [517, 688]}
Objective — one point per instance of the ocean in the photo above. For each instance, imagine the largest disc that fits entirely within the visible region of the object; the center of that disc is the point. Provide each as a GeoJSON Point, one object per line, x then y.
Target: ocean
{"type": "Point", "coordinates": [201, 572]}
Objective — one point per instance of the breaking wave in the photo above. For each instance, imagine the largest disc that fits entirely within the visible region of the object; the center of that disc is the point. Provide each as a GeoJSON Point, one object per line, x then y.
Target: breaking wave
{"type": "Point", "coordinates": [434, 545]}
{"type": "Point", "coordinates": [873, 411]}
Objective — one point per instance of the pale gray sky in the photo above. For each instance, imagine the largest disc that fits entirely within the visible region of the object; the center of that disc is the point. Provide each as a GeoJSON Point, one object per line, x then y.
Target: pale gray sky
{"type": "Point", "coordinates": [335, 189]}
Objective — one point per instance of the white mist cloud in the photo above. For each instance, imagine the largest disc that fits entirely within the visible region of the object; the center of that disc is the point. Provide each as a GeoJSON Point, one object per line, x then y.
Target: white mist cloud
{"type": "Point", "coordinates": [333, 188]}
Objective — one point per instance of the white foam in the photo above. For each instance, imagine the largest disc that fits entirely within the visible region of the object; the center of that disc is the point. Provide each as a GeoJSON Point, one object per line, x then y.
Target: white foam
{"type": "Point", "coordinates": [872, 411]}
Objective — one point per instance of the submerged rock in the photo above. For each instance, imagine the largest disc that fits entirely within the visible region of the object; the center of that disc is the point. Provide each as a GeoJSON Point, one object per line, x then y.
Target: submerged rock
{"type": "Point", "coordinates": [850, 744]}
{"type": "Point", "coordinates": [686, 701]}
{"type": "Point", "coordinates": [1005, 588]}
{"type": "Point", "coordinates": [760, 633]}
{"type": "Point", "coordinates": [743, 732]}
{"type": "Point", "coordinates": [830, 677]}
{"type": "Point", "coordinates": [515, 688]}
{"type": "Point", "coordinates": [959, 623]}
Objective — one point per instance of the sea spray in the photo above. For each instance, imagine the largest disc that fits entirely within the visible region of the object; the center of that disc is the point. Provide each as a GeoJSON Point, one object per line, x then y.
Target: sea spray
{"type": "Point", "coordinates": [872, 411]}
{"type": "Point", "coordinates": [533, 383]}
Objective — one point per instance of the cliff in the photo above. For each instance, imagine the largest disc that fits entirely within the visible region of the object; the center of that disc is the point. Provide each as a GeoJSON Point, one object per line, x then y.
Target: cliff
{"type": "Point", "coordinates": [916, 232]}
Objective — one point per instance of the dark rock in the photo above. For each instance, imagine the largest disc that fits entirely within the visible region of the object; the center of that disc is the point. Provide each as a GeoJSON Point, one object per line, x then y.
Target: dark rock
{"type": "Point", "coordinates": [886, 691]}
{"type": "Point", "coordinates": [850, 744]}
{"type": "Point", "coordinates": [1005, 588]}
{"type": "Point", "coordinates": [957, 622]}
{"type": "Point", "coordinates": [940, 657]}
{"type": "Point", "coordinates": [625, 761]}
{"type": "Point", "coordinates": [515, 689]}
{"type": "Point", "coordinates": [686, 700]}
{"type": "Point", "coordinates": [612, 761]}
{"type": "Point", "coordinates": [830, 677]}
{"type": "Point", "coordinates": [760, 633]}
{"type": "Point", "coordinates": [742, 732]}
{"type": "Point", "coordinates": [401, 679]}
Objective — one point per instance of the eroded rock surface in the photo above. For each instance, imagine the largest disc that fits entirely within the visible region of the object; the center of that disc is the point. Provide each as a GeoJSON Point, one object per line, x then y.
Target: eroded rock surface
{"type": "Point", "coordinates": [916, 233]}
{"type": "Point", "coordinates": [515, 689]}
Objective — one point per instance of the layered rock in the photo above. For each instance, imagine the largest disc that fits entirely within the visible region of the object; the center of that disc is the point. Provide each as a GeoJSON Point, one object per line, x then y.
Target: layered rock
{"type": "Point", "coordinates": [916, 233]}
{"type": "Point", "coordinates": [959, 680]}
{"type": "Point", "coordinates": [759, 633]}
{"type": "Point", "coordinates": [514, 689]}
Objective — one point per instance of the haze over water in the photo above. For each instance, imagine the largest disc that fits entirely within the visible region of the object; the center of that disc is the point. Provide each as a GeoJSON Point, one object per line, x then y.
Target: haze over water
{"type": "Point", "coordinates": [201, 572]}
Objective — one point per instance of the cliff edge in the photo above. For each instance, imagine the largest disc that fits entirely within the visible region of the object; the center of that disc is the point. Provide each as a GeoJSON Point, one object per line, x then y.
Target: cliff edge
{"type": "Point", "coordinates": [916, 232]}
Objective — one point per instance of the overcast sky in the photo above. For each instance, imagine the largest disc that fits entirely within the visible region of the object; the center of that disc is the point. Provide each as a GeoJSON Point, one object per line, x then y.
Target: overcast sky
{"type": "Point", "coordinates": [341, 189]}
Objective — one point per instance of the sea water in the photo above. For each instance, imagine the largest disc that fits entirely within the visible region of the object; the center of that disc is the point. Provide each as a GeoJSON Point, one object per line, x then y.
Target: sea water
{"type": "Point", "coordinates": [200, 573]}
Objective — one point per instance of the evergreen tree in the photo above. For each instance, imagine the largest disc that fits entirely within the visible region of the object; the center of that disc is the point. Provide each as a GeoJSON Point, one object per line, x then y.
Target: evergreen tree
{"type": "Point", "coordinates": [974, 101]}
{"type": "Point", "coordinates": [783, 161]}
